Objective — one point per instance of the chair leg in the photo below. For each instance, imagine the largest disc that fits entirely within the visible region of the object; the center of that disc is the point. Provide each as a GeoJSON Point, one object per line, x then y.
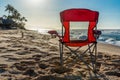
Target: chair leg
{"type": "Point", "coordinates": [61, 53]}
{"type": "Point", "coordinates": [91, 56]}
{"type": "Point", "coordinates": [95, 56]}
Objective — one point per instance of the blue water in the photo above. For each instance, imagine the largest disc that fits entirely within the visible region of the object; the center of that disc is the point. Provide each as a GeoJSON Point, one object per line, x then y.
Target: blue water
{"type": "Point", "coordinates": [110, 37]}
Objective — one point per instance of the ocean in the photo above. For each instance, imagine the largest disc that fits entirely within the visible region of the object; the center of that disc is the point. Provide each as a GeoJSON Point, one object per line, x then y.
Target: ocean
{"type": "Point", "coordinates": [108, 36]}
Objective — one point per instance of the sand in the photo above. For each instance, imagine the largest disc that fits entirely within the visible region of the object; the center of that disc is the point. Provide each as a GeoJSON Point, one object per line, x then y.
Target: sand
{"type": "Point", "coordinates": [33, 56]}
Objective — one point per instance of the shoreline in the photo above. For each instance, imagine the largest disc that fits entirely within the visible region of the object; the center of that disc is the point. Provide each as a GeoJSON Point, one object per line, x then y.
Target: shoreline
{"type": "Point", "coordinates": [109, 48]}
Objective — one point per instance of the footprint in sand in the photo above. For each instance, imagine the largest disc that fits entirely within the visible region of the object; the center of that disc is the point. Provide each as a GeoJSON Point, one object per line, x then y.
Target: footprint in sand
{"type": "Point", "coordinates": [30, 72]}
{"type": "Point", "coordinates": [36, 57]}
{"type": "Point", "coordinates": [3, 67]}
{"type": "Point", "coordinates": [11, 50]}
{"type": "Point", "coordinates": [49, 77]}
{"type": "Point", "coordinates": [24, 65]}
{"type": "Point", "coordinates": [7, 56]}
{"type": "Point", "coordinates": [2, 48]}
{"type": "Point", "coordinates": [13, 59]}
{"type": "Point", "coordinates": [10, 58]}
{"type": "Point", "coordinates": [113, 73]}
{"type": "Point", "coordinates": [24, 52]}
{"type": "Point", "coordinates": [43, 65]}
{"type": "Point", "coordinates": [2, 70]}
{"type": "Point", "coordinates": [60, 70]}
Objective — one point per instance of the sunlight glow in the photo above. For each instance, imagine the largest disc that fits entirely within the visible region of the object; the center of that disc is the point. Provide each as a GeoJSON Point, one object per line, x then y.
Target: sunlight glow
{"type": "Point", "coordinates": [35, 2]}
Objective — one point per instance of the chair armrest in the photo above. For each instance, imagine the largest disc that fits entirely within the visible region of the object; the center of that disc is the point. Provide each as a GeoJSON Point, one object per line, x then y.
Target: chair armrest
{"type": "Point", "coordinates": [53, 32]}
{"type": "Point", "coordinates": [97, 33]}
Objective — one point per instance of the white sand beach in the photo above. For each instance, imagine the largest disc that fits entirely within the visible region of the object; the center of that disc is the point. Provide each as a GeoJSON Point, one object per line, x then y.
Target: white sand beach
{"type": "Point", "coordinates": [34, 56]}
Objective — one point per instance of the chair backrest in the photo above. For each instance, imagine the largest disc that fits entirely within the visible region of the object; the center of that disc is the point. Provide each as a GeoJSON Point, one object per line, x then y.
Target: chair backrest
{"type": "Point", "coordinates": [79, 15]}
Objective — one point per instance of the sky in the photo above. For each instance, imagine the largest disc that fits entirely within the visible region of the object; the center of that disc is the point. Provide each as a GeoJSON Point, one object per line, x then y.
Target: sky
{"type": "Point", "coordinates": [44, 14]}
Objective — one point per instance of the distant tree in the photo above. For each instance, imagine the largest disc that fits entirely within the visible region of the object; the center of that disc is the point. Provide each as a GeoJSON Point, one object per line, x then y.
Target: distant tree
{"type": "Point", "coordinates": [13, 14]}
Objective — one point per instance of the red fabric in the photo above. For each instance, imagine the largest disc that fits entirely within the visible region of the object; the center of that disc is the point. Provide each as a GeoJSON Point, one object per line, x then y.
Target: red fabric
{"type": "Point", "coordinates": [91, 37]}
{"type": "Point", "coordinates": [78, 43]}
{"type": "Point", "coordinates": [66, 37]}
{"type": "Point", "coordinates": [79, 15]}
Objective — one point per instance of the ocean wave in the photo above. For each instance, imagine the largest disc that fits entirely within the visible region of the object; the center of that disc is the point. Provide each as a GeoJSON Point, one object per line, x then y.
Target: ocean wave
{"type": "Point", "coordinates": [110, 41]}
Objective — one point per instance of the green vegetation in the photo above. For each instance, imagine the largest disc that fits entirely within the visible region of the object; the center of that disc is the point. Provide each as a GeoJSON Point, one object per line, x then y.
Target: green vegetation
{"type": "Point", "coordinates": [17, 20]}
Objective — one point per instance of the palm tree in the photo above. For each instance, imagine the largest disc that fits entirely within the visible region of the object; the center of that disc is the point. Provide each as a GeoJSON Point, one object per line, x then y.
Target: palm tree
{"type": "Point", "coordinates": [14, 15]}
{"type": "Point", "coordinates": [9, 8]}
{"type": "Point", "coordinates": [23, 19]}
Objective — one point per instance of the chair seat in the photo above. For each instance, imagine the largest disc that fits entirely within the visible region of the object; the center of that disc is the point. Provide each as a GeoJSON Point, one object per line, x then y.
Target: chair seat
{"type": "Point", "coordinates": [78, 43]}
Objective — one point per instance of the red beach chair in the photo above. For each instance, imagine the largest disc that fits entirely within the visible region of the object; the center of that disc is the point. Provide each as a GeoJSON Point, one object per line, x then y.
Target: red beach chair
{"type": "Point", "coordinates": [79, 15]}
